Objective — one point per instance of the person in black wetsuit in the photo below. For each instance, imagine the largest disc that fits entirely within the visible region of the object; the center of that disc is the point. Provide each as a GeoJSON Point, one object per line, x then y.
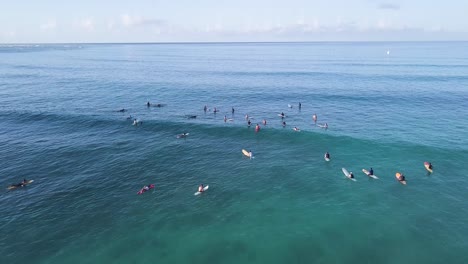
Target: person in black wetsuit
{"type": "Point", "coordinates": [401, 178]}
{"type": "Point", "coordinates": [371, 171]}
{"type": "Point", "coordinates": [21, 184]}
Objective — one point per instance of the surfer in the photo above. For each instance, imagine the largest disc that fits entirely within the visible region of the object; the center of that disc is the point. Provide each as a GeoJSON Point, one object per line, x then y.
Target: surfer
{"type": "Point", "coordinates": [21, 184]}
{"type": "Point", "coordinates": [371, 171]}
{"type": "Point", "coordinates": [401, 178]}
{"type": "Point", "coordinates": [430, 166]}
{"type": "Point", "coordinates": [183, 135]}
{"type": "Point", "coordinates": [129, 117]}
{"type": "Point", "coordinates": [284, 123]}
{"type": "Point", "coordinates": [232, 110]}
{"type": "Point", "coordinates": [246, 117]}
{"type": "Point", "coordinates": [121, 110]}
{"type": "Point", "coordinates": [204, 108]}
{"type": "Point", "coordinates": [282, 115]}
{"type": "Point", "coordinates": [300, 105]}
{"type": "Point", "coordinates": [225, 119]}
{"type": "Point", "coordinates": [200, 188]}
{"type": "Point", "coordinates": [325, 126]}
{"type": "Point", "coordinates": [296, 129]}
{"type": "Point", "coordinates": [327, 155]}
{"type": "Point", "coordinates": [264, 122]}
{"type": "Point", "coordinates": [314, 117]}
{"type": "Point", "coordinates": [249, 123]}
{"type": "Point", "coordinates": [148, 104]}
{"type": "Point", "coordinates": [257, 128]}
{"type": "Point", "coordinates": [351, 175]}
{"type": "Point", "coordinates": [250, 154]}
{"type": "Point", "coordinates": [135, 122]}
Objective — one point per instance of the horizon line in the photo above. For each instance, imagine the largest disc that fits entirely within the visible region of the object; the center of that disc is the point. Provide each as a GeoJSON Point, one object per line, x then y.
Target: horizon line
{"type": "Point", "coordinates": [228, 42]}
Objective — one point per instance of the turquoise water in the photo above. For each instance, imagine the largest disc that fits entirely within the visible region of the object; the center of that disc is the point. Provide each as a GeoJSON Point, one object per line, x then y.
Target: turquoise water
{"type": "Point", "coordinates": [59, 126]}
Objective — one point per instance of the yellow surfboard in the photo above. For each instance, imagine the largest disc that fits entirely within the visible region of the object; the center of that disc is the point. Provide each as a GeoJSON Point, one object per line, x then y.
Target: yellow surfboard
{"type": "Point", "coordinates": [397, 176]}
{"type": "Point", "coordinates": [246, 153]}
{"type": "Point", "coordinates": [12, 187]}
{"type": "Point", "coordinates": [427, 166]}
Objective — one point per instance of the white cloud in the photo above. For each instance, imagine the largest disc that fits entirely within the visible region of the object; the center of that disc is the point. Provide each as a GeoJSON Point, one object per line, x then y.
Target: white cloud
{"type": "Point", "coordinates": [86, 24]}
{"type": "Point", "coordinates": [110, 24]}
{"type": "Point", "coordinates": [48, 26]}
{"type": "Point", "coordinates": [389, 6]}
{"type": "Point", "coordinates": [135, 21]}
{"type": "Point", "coordinates": [7, 36]}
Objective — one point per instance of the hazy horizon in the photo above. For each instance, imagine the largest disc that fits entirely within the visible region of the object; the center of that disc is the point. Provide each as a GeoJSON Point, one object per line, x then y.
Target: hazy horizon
{"type": "Point", "coordinates": [184, 21]}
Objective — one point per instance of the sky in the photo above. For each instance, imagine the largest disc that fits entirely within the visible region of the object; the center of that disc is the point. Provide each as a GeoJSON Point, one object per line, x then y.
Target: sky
{"type": "Point", "coordinates": [96, 21]}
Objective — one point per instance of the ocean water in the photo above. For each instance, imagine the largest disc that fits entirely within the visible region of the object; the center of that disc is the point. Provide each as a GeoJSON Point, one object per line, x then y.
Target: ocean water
{"type": "Point", "coordinates": [59, 126]}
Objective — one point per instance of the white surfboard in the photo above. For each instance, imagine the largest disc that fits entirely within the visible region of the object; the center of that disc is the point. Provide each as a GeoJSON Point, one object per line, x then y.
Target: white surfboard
{"type": "Point", "coordinates": [290, 106]}
{"type": "Point", "coordinates": [326, 159]}
{"type": "Point", "coordinates": [367, 173]}
{"type": "Point", "coordinates": [346, 173]}
{"type": "Point", "coordinates": [182, 135]}
{"type": "Point", "coordinates": [280, 115]}
{"type": "Point", "coordinates": [296, 129]}
{"type": "Point", "coordinates": [204, 189]}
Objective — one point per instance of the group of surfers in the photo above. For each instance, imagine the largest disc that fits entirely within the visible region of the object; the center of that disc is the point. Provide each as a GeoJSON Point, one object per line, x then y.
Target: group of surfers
{"type": "Point", "coordinates": [400, 177]}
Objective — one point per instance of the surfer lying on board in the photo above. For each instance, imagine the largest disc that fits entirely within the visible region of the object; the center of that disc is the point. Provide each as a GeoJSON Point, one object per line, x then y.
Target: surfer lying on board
{"type": "Point", "coordinates": [282, 115]}
{"type": "Point", "coordinates": [183, 135]}
{"type": "Point", "coordinates": [401, 178]}
{"type": "Point", "coordinates": [200, 188]}
{"type": "Point", "coordinates": [351, 175]}
{"type": "Point", "coordinates": [21, 184]}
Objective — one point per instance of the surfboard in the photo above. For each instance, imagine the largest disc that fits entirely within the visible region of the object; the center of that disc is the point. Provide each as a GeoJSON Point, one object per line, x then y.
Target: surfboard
{"type": "Point", "coordinates": [367, 173]}
{"type": "Point", "coordinates": [282, 116]}
{"type": "Point", "coordinates": [182, 135]}
{"type": "Point", "coordinates": [426, 165]}
{"type": "Point", "coordinates": [204, 189]}
{"type": "Point", "coordinates": [296, 129]}
{"type": "Point", "coordinates": [322, 126]}
{"type": "Point", "coordinates": [397, 175]}
{"type": "Point", "coordinates": [246, 153]}
{"type": "Point", "coordinates": [11, 187]}
{"type": "Point", "coordinates": [346, 173]}
{"type": "Point", "coordinates": [325, 157]}
{"type": "Point", "coordinates": [290, 106]}
{"type": "Point", "coordinates": [143, 190]}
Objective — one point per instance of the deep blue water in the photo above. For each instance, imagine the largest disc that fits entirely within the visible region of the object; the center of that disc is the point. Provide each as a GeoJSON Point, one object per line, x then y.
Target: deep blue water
{"type": "Point", "coordinates": [59, 125]}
